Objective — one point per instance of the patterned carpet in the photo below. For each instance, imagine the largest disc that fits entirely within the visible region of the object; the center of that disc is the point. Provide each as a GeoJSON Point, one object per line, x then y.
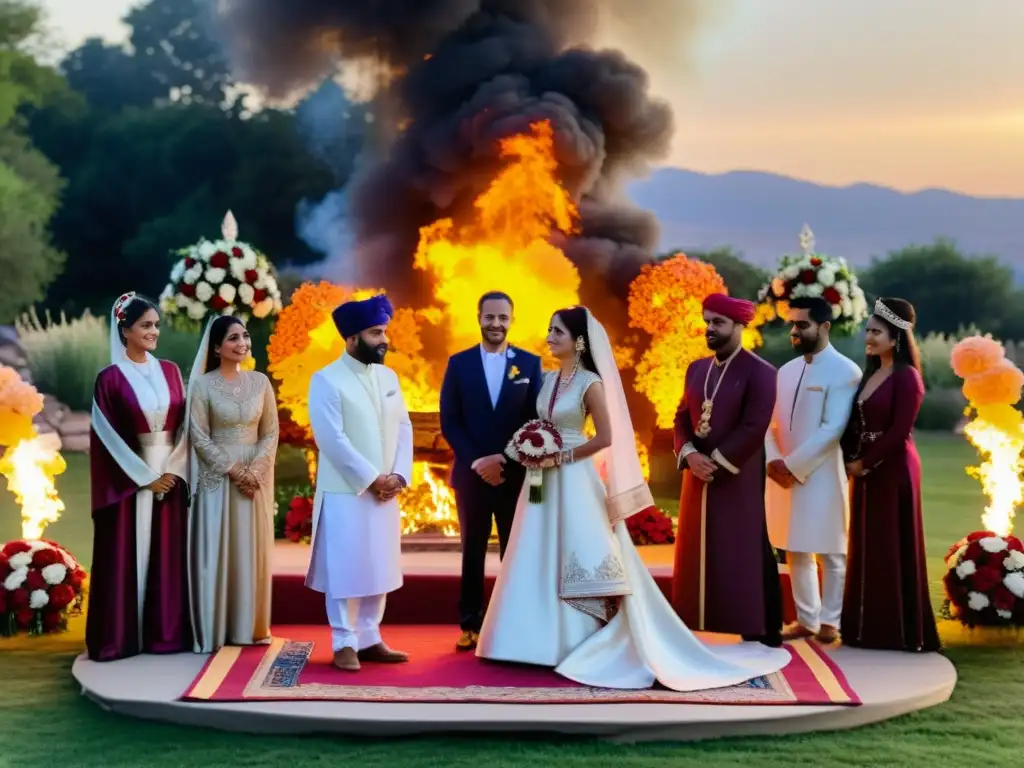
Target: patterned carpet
{"type": "Point", "coordinates": [296, 666]}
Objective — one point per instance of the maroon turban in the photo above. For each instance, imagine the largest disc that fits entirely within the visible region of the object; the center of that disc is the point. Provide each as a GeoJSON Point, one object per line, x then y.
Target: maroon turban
{"type": "Point", "coordinates": [738, 310]}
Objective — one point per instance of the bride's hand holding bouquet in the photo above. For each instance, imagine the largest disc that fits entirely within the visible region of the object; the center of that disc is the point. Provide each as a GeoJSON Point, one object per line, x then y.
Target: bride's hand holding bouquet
{"type": "Point", "coordinates": [538, 445]}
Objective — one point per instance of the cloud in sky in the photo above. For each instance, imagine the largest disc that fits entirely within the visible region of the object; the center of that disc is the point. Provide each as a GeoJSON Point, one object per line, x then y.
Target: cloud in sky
{"type": "Point", "coordinates": [908, 93]}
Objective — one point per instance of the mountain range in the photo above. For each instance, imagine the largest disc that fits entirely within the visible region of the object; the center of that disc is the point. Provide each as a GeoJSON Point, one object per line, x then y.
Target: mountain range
{"type": "Point", "coordinates": [760, 215]}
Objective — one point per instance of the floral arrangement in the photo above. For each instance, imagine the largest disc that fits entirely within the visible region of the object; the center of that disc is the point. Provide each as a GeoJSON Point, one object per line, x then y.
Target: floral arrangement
{"type": "Point", "coordinates": [293, 517]}
{"type": "Point", "coordinates": [19, 404]}
{"type": "Point", "coordinates": [985, 580]}
{"type": "Point", "coordinates": [223, 276]}
{"type": "Point", "coordinates": [665, 303]}
{"type": "Point", "coordinates": [41, 585]}
{"type": "Point", "coordinates": [536, 445]}
{"type": "Point", "coordinates": [298, 520]}
{"type": "Point", "coordinates": [817, 275]}
{"type": "Point", "coordinates": [652, 526]}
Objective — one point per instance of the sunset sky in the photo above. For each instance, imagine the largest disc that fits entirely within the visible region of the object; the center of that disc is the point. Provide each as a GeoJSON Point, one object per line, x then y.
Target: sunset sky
{"type": "Point", "coordinates": [904, 93]}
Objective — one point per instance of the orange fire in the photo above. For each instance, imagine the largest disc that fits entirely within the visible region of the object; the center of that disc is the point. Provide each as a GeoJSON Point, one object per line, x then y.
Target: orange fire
{"type": "Point", "coordinates": [506, 246]}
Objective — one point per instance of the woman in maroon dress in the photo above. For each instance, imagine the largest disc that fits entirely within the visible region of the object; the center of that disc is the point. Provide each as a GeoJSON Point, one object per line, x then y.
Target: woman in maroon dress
{"type": "Point", "coordinates": [886, 604]}
{"type": "Point", "coordinates": [138, 591]}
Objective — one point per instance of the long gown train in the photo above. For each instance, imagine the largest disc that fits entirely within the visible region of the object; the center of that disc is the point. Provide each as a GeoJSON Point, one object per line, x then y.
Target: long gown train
{"type": "Point", "coordinates": [574, 594]}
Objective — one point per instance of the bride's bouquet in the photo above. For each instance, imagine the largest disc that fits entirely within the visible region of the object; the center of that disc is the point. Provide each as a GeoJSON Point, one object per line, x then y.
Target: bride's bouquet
{"type": "Point", "coordinates": [537, 446]}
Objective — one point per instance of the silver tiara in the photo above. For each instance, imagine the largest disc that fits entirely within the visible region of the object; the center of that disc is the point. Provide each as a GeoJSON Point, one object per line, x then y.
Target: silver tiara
{"type": "Point", "coordinates": [883, 311]}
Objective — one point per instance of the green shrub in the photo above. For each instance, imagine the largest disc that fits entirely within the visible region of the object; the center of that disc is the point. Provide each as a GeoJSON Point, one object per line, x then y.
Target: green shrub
{"type": "Point", "coordinates": [65, 356]}
{"type": "Point", "coordinates": [942, 409]}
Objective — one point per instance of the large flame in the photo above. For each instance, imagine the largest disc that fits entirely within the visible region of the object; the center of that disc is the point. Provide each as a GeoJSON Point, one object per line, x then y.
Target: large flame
{"type": "Point", "coordinates": [507, 246]}
{"type": "Point", "coordinates": [30, 468]}
{"type": "Point", "coordinates": [429, 505]}
{"type": "Point", "coordinates": [30, 461]}
{"type": "Point", "coordinates": [992, 386]}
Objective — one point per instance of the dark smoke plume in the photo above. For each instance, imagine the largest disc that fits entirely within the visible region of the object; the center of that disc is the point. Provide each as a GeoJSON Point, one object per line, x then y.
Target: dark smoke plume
{"type": "Point", "coordinates": [460, 75]}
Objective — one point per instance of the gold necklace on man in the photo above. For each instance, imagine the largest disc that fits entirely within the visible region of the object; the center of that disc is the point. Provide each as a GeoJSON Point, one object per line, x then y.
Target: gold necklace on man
{"type": "Point", "coordinates": [704, 424]}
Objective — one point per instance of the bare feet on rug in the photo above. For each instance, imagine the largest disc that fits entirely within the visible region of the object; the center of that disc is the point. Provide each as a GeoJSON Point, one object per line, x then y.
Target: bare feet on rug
{"type": "Point", "coordinates": [467, 640]}
{"type": "Point", "coordinates": [381, 654]}
{"type": "Point", "coordinates": [347, 660]}
{"type": "Point", "coordinates": [796, 632]}
{"type": "Point", "coordinates": [828, 634]}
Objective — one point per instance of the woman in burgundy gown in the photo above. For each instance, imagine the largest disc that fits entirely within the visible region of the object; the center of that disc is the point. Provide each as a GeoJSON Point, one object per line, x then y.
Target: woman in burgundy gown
{"type": "Point", "coordinates": [886, 604]}
{"type": "Point", "coordinates": [138, 591]}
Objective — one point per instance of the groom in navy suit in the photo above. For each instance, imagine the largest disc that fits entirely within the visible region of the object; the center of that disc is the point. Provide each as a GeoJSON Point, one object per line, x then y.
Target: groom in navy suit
{"type": "Point", "coordinates": [489, 391]}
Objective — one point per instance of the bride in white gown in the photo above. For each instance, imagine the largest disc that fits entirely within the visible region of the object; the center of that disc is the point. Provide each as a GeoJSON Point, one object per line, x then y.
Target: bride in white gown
{"type": "Point", "coordinates": [573, 593]}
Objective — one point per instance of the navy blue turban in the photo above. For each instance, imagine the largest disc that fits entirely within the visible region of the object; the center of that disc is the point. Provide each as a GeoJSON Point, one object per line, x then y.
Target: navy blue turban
{"type": "Point", "coordinates": [353, 317]}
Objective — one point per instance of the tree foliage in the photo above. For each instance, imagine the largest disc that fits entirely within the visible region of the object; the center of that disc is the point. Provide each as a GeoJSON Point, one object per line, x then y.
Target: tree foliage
{"type": "Point", "coordinates": [30, 184]}
{"type": "Point", "coordinates": [949, 290]}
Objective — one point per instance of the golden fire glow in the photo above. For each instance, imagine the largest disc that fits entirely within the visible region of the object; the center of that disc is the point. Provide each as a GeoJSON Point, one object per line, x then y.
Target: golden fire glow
{"type": "Point", "coordinates": [429, 504]}
{"type": "Point", "coordinates": [29, 461]}
{"type": "Point", "coordinates": [30, 468]}
{"type": "Point", "coordinates": [992, 385]}
{"type": "Point", "coordinates": [506, 246]}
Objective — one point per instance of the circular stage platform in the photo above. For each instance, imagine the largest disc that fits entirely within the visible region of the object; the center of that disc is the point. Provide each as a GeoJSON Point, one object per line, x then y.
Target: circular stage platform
{"type": "Point", "coordinates": [888, 683]}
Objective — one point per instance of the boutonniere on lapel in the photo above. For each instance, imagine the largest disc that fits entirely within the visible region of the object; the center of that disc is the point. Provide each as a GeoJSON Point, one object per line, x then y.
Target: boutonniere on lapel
{"type": "Point", "coordinates": [513, 372]}
{"type": "Point", "coordinates": [510, 353]}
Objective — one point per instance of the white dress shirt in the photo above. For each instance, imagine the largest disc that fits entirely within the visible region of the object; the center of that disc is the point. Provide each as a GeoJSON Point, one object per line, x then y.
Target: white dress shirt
{"type": "Point", "coordinates": [494, 371]}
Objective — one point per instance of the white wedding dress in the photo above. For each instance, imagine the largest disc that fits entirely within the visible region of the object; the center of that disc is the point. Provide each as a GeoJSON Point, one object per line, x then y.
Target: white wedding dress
{"type": "Point", "coordinates": [574, 594]}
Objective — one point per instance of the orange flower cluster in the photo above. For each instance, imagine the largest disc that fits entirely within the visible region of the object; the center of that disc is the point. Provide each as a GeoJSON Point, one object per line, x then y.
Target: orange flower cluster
{"type": "Point", "coordinates": [306, 311]}
{"type": "Point", "coordinates": [665, 301]}
{"type": "Point", "coordinates": [975, 355]}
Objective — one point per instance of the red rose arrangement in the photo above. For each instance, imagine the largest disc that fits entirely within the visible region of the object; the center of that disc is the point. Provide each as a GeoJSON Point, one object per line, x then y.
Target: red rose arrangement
{"type": "Point", "coordinates": [298, 520]}
{"type": "Point", "coordinates": [41, 584]}
{"type": "Point", "coordinates": [985, 581]}
{"type": "Point", "coordinates": [652, 526]}
{"type": "Point", "coordinates": [537, 446]}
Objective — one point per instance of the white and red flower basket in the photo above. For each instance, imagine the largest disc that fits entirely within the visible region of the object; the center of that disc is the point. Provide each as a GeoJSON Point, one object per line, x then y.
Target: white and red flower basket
{"type": "Point", "coordinates": [813, 274]}
{"type": "Point", "coordinates": [536, 446]}
{"type": "Point", "coordinates": [221, 277]}
{"type": "Point", "coordinates": [985, 581]}
{"type": "Point", "coordinates": [41, 586]}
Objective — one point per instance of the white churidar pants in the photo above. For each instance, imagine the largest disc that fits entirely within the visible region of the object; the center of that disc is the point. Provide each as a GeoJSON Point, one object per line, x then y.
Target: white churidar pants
{"type": "Point", "coordinates": [815, 606]}
{"type": "Point", "coordinates": [355, 621]}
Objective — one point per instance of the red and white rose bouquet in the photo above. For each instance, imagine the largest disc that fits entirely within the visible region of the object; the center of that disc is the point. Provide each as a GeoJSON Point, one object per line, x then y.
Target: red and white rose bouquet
{"type": "Point", "coordinates": [41, 585]}
{"type": "Point", "coordinates": [817, 275]}
{"type": "Point", "coordinates": [985, 581]}
{"type": "Point", "coordinates": [537, 446]}
{"type": "Point", "coordinates": [221, 277]}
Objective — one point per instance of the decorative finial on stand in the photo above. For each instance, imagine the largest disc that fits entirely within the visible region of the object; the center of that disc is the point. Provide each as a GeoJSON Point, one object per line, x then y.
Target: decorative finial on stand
{"type": "Point", "coordinates": [806, 240]}
{"type": "Point", "coordinates": [229, 227]}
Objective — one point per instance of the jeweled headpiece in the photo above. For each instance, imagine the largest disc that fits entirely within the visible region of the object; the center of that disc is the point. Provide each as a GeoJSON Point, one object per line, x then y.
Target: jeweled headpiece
{"type": "Point", "coordinates": [884, 312]}
{"type": "Point", "coordinates": [123, 301]}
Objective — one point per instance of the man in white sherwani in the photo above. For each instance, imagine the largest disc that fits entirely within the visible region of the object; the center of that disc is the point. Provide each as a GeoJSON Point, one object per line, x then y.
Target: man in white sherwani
{"type": "Point", "coordinates": [363, 432]}
{"type": "Point", "coordinates": [806, 499]}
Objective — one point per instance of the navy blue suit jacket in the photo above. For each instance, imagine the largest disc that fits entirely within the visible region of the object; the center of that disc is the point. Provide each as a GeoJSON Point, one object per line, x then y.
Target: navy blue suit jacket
{"type": "Point", "coordinates": [473, 427]}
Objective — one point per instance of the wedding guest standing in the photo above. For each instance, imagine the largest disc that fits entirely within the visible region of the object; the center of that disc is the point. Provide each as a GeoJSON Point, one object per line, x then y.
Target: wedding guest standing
{"type": "Point", "coordinates": [886, 604]}
{"type": "Point", "coordinates": [726, 578]}
{"type": "Point", "coordinates": [138, 462]}
{"type": "Point", "coordinates": [807, 499]}
{"type": "Point", "coordinates": [234, 431]}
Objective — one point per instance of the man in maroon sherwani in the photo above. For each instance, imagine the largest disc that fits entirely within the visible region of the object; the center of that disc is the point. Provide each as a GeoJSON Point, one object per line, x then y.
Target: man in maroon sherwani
{"type": "Point", "coordinates": [726, 578]}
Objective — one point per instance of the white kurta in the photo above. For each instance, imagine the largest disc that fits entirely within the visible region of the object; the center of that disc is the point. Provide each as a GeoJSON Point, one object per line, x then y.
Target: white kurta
{"type": "Point", "coordinates": [362, 429]}
{"type": "Point", "coordinates": [811, 410]}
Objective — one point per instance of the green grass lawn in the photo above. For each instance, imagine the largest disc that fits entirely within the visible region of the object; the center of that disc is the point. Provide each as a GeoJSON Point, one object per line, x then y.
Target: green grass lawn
{"type": "Point", "coordinates": [43, 720]}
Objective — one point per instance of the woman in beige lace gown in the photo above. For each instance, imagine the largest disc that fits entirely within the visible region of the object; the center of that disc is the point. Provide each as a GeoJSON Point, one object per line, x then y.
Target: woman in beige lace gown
{"type": "Point", "coordinates": [234, 432]}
